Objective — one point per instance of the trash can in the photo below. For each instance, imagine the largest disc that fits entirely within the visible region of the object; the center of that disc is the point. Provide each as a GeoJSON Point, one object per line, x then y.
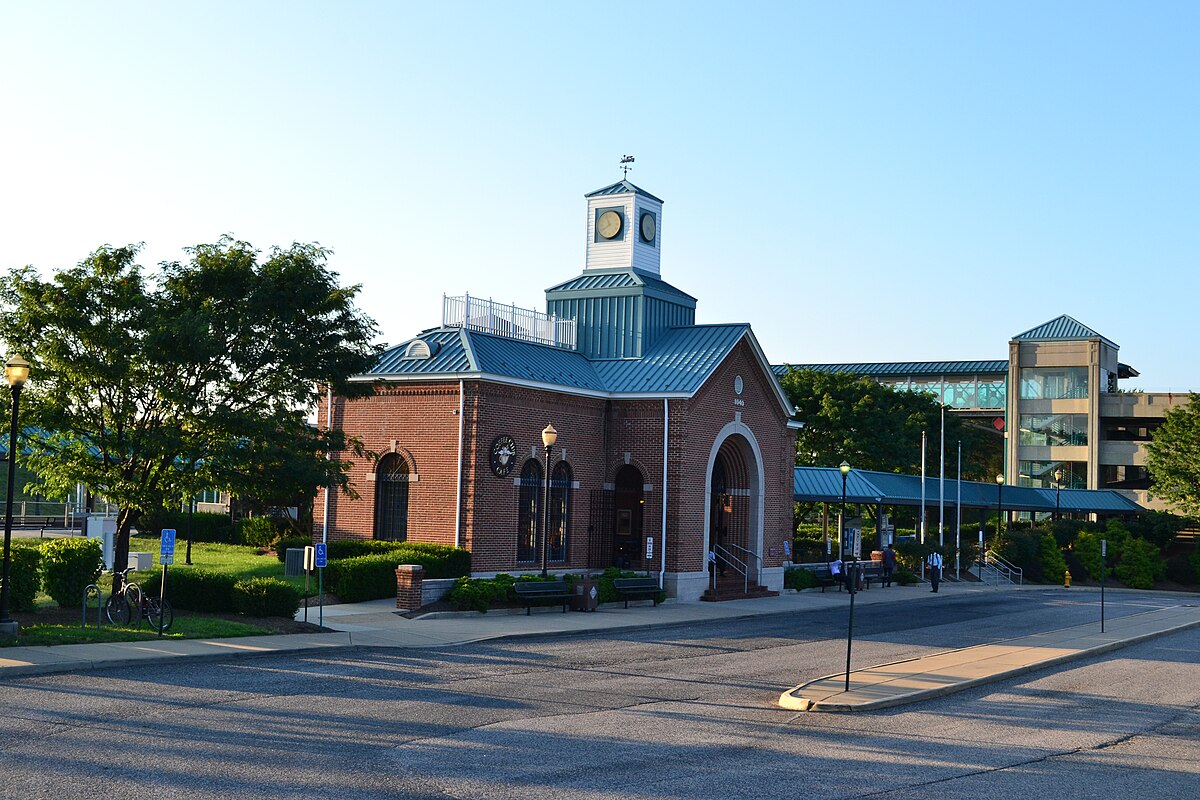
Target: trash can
{"type": "Point", "coordinates": [587, 595]}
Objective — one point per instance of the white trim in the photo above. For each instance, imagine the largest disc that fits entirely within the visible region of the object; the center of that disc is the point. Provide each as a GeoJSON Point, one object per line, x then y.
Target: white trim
{"type": "Point", "coordinates": [458, 482]}
{"type": "Point", "coordinates": [328, 456]}
{"type": "Point", "coordinates": [662, 571]}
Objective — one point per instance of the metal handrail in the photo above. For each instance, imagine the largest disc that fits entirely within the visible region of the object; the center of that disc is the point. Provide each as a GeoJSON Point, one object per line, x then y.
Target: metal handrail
{"type": "Point", "coordinates": [1004, 567]}
{"type": "Point", "coordinates": [735, 562]}
{"type": "Point", "coordinates": [752, 554]}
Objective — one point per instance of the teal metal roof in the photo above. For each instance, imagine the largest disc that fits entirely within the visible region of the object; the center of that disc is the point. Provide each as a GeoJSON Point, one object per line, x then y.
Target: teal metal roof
{"type": "Point", "coordinates": [824, 484]}
{"type": "Point", "coordinates": [678, 362]}
{"type": "Point", "coordinates": [1061, 328]}
{"type": "Point", "coordinates": [621, 187]}
{"type": "Point", "coordinates": [623, 279]}
{"type": "Point", "coordinates": [902, 369]}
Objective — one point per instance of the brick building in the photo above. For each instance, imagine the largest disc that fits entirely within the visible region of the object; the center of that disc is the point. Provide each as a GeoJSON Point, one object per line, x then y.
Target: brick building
{"type": "Point", "coordinates": [674, 439]}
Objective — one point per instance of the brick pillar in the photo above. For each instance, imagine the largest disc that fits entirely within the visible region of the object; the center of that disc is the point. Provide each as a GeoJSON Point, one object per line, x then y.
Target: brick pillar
{"type": "Point", "coordinates": [408, 586]}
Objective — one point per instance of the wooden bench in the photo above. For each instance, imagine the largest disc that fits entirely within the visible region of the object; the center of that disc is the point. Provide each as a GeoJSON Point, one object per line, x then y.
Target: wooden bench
{"type": "Point", "coordinates": [871, 571]}
{"type": "Point", "coordinates": [637, 589]}
{"type": "Point", "coordinates": [550, 592]}
{"type": "Point", "coordinates": [825, 578]}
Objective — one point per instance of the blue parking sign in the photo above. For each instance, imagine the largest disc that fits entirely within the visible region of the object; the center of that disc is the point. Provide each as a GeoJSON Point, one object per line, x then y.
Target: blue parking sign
{"type": "Point", "coordinates": [166, 555]}
{"type": "Point", "coordinates": [322, 555]}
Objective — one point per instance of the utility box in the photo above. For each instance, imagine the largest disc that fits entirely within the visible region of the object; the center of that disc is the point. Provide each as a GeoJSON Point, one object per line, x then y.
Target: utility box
{"type": "Point", "coordinates": [103, 529]}
{"type": "Point", "coordinates": [587, 595]}
{"type": "Point", "coordinates": [141, 561]}
{"type": "Point", "coordinates": [293, 561]}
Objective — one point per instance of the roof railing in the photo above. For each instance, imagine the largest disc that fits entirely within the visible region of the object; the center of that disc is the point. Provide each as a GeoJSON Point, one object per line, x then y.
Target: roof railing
{"type": "Point", "coordinates": [503, 319]}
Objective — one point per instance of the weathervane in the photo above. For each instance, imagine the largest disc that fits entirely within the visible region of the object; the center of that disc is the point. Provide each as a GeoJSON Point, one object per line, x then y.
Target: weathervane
{"type": "Point", "coordinates": [625, 162]}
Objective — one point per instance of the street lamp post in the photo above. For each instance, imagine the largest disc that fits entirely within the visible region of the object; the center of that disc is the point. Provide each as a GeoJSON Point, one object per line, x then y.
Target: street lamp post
{"type": "Point", "coordinates": [549, 437]}
{"type": "Point", "coordinates": [1058, 476]}
{"type": "Point", "coordinates": [851, 582]}
{"type": "Point", "coordinates": [16, 372]}
{"type": "Point", "coordinates": [999, 504]}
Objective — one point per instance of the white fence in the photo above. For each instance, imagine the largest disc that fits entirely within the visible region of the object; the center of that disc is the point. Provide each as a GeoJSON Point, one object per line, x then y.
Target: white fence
{"type": "Point", "coordinates": [507, 320]}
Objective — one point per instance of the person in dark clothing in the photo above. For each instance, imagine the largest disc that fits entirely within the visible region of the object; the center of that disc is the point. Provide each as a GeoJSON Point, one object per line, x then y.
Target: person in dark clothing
{"type": "Point", "coordinates": [935, 569]}
{"type": "Point", "coordinates": [889, 564]}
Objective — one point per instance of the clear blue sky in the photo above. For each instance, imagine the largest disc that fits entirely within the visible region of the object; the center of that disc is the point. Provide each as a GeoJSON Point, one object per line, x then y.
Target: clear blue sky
{"type": "Point", "coordinates": [861, 181]}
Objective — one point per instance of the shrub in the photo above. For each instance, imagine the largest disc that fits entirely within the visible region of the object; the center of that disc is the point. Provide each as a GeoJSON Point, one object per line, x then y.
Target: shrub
{"type": "Point", "coordinates": [904, 577]}
{"type": "Point", "coordinates": [68, 566]}
{"type": "Point", "coordinates": [1140, 564]}
{"type": "Point", "coordinates": [1179, 570]}
{"type": "Point", "coordinates": [1023, 548]}
{"type": "Point", "coordinates": [257, 531]}
{"type": "Point", "coordinates": [480, 594]}
{"type": "Point", "coordinates": [1194, 560]}
{"type": "Point", "coordinates": [290, 543]}
{"type": "Point", "coordinates": [197, 589]}
{"type": "Point", "coordinates": [24, 572]}
{"type": "Point", "coordinates": [363, 578]}
{"type": "Point", "coordinates": [1051, 559]}
{"type": "Point", "coordinates": [1087, 550]}
{"type": "Point", "coordinates": [799, 579]}
{"type": "Point", "coordinates": [205, 526]}
{"type": "Point", "coordinates": [266, 597]}
{"type": "Point", "coordinates": [1158, 527]}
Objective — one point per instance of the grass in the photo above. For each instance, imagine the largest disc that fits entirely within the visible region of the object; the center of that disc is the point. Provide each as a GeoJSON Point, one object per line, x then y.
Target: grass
{"type": "Point", "coordinates": [189, 627]}
{"type": "Point", "coordinates": [243, 561]}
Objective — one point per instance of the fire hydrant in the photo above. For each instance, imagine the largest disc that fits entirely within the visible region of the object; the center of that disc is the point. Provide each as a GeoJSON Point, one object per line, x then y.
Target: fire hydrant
{"type": "Point", "coordinates": [1067, 579]}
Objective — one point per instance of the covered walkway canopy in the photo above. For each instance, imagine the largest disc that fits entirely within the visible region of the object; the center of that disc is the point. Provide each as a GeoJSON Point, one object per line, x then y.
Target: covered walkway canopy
{"type": "Point", "coordinates": [824, 484]}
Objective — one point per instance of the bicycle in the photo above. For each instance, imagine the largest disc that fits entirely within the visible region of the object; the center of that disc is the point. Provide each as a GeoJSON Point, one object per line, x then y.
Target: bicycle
{"type": "Point", "coordinates": [121, 608]}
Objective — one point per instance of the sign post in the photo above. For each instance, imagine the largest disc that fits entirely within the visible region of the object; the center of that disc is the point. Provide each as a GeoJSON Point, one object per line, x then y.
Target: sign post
{"type": "Point", "coordinates": [166, 556]}
{"type": "Point", "coordinates": [310, 559]}
{"type": "Point", "coordinates": [1103, 566]}
{"type": "Point", "coordinates": [321, 556]}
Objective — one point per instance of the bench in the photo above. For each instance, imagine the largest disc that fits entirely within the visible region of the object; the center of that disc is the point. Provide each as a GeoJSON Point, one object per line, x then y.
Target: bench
{"type": "Point", "coordinates": [871, 571]}
{"type": "Point", "coordinates": [825, 578]}
{"type": "Point", "coordinates": [553, 592]}
{"type": "Point", "coordinates": [637, 589]}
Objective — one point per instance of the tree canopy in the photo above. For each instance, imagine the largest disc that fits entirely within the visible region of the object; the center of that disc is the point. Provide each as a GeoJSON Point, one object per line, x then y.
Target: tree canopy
{"type": "Point", "coordinates": [148, 385]}
{"type": "Point", "coordinates": [875, 427]}
{"type": "Point", "coordinates": [1173, 457]}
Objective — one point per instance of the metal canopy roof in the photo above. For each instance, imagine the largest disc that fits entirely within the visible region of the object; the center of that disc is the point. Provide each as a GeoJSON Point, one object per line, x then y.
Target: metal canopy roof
{"type": "Point", "coordinates": [1061, 328]}
{"type": "Point", "coordinates": [622, 187]}
{"type": "Point", "coordinates": [824, 484]}
{"type": "Point", "coordinates": [906, 369]}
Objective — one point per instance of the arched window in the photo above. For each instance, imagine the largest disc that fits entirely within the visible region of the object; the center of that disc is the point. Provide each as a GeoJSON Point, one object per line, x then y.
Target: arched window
{"type": "Point", "coordinates": [528, 504]}
{"type": "Point", "coordinates": [391, 498]}
{"type": "Point", "coordinates": [560, 510]}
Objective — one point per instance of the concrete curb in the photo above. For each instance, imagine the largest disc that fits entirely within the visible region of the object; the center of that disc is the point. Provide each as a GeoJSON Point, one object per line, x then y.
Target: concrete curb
{"type": "Point", "coordinates": [790, 700]}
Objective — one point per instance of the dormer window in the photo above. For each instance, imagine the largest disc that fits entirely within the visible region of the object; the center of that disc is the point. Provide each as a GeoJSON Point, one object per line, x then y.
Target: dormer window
{"type": "Point", "coordinates": [419, 349]}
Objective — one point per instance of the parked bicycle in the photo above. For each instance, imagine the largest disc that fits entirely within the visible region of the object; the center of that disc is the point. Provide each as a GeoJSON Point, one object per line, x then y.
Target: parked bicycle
{"type": "Point", "coordinates": [133, 605]}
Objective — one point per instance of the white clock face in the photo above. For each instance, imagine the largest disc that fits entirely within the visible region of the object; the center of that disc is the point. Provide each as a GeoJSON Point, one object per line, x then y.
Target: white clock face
{"type": "Point", "coordinates": [648, 227]}
{"type": "Point", "coordinates": [609, 224]}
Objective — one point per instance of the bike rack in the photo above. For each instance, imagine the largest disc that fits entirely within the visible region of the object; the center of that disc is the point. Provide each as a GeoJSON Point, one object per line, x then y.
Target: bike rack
{"type": "Point", "coordinates": [87, 592]}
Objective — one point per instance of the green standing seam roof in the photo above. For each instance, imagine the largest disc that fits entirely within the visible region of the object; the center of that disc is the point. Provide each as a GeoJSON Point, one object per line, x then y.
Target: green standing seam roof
{"type": "Point", "coordinates": [1061, 328]}
{"type": "Point", "coordinates": [622, 187]}
{"type": "Point", "coordinates": [901, 369]}
{"type": "Point", "coordinates": [678, 362]}
{"type": "Point", "coordinates": [824, 484]}
{"type": "Point", "coordinates": [625, 279]}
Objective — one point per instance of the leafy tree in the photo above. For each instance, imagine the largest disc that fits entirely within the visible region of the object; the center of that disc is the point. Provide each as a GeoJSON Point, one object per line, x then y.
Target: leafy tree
{"type": "Point", "coordinates": [148, 385]}
{"type": "Point", "coordinates": [1173, 457]}
{"type": "Point", "coordinates": [876, 427]}
{"type": "Point", "coordinates": [1141, 564]}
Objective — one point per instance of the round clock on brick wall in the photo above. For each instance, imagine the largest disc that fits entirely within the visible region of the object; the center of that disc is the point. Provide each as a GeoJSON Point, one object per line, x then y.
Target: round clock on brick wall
{"type": "Point", "coordinates": [503, 455]}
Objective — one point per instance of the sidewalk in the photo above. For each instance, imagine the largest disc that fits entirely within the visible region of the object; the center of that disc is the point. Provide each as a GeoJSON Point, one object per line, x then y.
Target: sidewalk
{"type": "Point", "coordinates": [940, 674]}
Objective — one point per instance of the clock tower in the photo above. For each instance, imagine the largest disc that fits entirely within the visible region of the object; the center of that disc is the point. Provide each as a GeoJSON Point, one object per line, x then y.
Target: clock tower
{"type": "Point", "coordinates": [624, 228]}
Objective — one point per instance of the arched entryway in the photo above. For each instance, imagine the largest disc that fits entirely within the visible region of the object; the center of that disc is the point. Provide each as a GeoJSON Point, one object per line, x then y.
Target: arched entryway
{"type": "Point", "coordinates": [734, 507]}
{"type": "Point", "coordinates": [629, 502]}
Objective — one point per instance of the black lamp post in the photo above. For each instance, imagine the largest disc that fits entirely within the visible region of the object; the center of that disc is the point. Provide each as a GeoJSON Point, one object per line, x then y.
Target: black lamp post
{"type": "Point", "coordinates": [549, 437]}
{"type": "Point", "coordinates": [1058, 476]}
{"type": "Point", "coordinates": [851, 583]}
{"type": "Point", "coordinates": [16, 372]}
{"type": "Point", "coordinates": [999, 504]}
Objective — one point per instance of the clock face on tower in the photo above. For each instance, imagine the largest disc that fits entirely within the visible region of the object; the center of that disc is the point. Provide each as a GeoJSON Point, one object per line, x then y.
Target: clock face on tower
{"type": "Point", "coordinates": [649, 227]}
{"type": "Point", "coordinates": [609, 224]}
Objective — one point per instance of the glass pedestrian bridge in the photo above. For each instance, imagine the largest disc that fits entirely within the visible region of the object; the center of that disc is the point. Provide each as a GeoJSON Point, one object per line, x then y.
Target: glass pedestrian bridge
{"type": "Point", "coordinates": [963, 385]}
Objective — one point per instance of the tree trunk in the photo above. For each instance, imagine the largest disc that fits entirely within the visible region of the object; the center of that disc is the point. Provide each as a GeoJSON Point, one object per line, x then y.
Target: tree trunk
{"type": "Point", "coordinates": [126, 517]}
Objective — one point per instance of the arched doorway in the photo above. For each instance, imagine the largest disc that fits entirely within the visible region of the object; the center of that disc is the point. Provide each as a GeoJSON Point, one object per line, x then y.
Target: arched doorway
{"type": "Point", "coordinates": [628, 504]}
{"type": "Point", "coordinates": [391, 498]}
{"type": "Point", "coordinates": [735, 508]}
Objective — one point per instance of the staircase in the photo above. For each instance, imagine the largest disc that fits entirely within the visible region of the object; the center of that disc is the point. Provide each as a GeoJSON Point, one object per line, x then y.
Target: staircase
{"type": "Point", "coordinates": [995, 571]}
{"type": "Point", "coordinates": [734, 587]}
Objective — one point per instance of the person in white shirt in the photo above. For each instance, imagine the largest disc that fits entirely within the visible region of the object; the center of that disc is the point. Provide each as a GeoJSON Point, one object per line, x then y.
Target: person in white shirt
{"type": "Point", "coordinates": [934, 563]}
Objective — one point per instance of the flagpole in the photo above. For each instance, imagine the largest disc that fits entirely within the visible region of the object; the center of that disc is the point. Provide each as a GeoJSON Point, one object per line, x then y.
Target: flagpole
{"type": "Point", "coordinates": [922, 502]}
{"type": "Point", "coordinates": [942, 483]}
{"type": "Point", "coordinates": [958, 519]}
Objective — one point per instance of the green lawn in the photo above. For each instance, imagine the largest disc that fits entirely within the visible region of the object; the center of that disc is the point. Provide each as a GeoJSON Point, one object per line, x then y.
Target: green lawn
{"type": "Point", "coordinates": [231, 558]}
{"type": "Point", "coordinates": [185, 627]}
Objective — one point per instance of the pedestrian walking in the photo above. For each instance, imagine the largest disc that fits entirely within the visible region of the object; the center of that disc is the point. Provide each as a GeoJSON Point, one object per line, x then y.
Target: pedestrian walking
{"type": "Point", "coordinates": [889, 564]}
{"type": "Point", "coordinates": [934, 563]}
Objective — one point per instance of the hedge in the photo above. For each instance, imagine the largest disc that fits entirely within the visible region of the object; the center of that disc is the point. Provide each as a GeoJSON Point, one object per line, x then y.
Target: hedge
{"type": "Point", "coordinates": [363, 578]}
{"type": "Point", "coordinates": [266, 597]}
{"type": "Point", "coordinates": [24, 572]}
{"type": "Point", "coordinates": [260, 531]}
{"type": "Point", "coordinates": [195, 589]}
{"type": "Point", "coordinates": [799, 579]}
{"type": "Point", "coordinates": [68, 566]}
{"type": "Point", "coordinates": [206, 526]}
{"type": "Point", "coordinates": [290, 543]}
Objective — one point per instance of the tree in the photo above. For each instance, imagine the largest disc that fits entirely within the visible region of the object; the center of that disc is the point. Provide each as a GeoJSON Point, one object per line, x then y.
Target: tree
{"type": "Point", "coordinates": [147, 385]}
{"type": "Point", "coordinates": [1173, 457]}
{"type": "Point", "coordinates": [873, 426]}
